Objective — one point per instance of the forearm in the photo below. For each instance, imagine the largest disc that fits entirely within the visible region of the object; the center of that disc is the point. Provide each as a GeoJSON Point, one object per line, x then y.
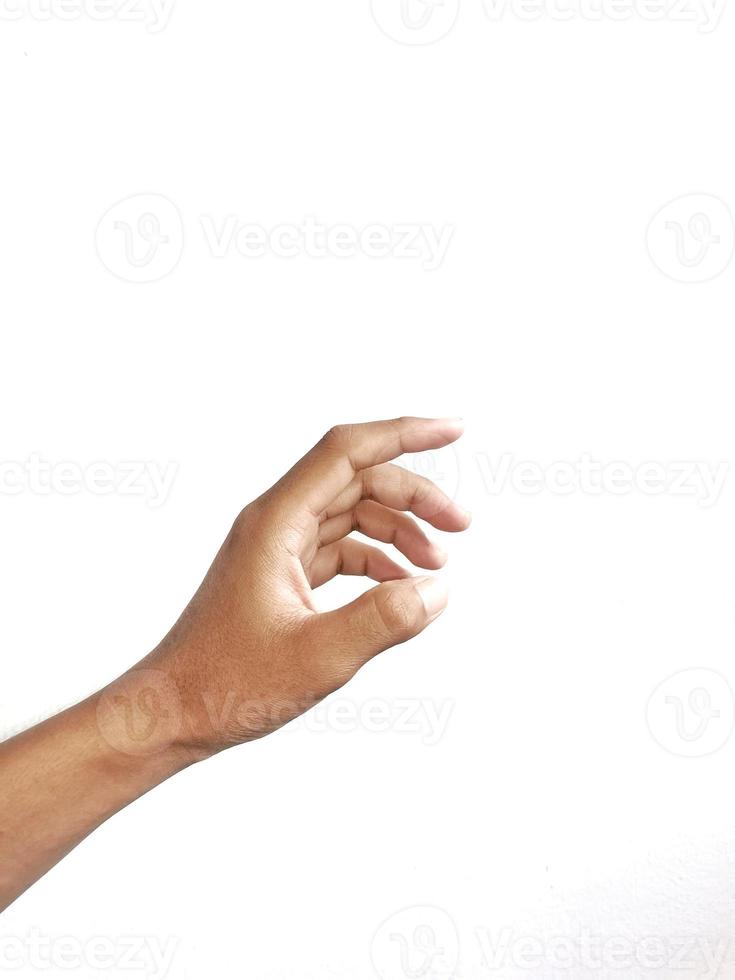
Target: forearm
{"type": "Point", "coordinates": [59, 781]}
{"type": "Point", "coordinates": [251, 651]}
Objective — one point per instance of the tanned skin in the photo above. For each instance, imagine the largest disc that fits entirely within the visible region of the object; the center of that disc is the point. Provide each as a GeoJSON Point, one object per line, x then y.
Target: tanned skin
{"type": "Point", "coordinates": [250, 652]}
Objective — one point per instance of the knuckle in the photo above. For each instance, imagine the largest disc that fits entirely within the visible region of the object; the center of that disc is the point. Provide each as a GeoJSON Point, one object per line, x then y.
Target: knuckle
{"type": "Point", "coordinates": [242, 523]}
{"type": "Point", "coordinates": [247, 521]}
{"type": "Point", "coordinates": [428, 497]}
{"type": "Point", "coordinates": [339, 436]}
{"type": "Point", "coordinates": [421, 490]}
{"type": "Point", "coordinates": [332, 436]}
{"type": "Point", "coordinates": [360, 514]}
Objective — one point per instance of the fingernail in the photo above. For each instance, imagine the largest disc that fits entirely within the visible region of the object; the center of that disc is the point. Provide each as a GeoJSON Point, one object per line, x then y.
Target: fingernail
{"type": "Point", "coordinates": [441, 554]}
{"type": "Point", "coordinates": [434, 595]}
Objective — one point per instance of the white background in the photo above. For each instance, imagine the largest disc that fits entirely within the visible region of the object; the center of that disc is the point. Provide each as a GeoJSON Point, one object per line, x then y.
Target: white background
{"type": "Point", "coordinates": [558, 802]}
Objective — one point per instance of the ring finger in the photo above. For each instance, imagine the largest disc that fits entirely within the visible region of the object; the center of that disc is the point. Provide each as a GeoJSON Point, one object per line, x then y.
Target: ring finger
{"type": "Point", "coordinates": [387, 525]}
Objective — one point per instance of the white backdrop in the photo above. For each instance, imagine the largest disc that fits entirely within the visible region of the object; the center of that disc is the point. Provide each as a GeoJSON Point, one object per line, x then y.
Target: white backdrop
{"type": "Point", "coordinates": [226, 227]}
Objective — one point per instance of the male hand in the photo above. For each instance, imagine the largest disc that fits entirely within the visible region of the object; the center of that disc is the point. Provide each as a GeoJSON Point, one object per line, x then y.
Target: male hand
{"type": "Point", "coordinates": [251, 651]}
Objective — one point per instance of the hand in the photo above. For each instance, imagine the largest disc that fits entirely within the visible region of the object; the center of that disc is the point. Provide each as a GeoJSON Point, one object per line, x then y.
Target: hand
{"type": "Point", "coordinates": [251, 652]}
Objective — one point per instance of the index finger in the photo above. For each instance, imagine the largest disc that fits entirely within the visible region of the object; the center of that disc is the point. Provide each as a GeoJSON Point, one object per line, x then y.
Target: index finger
{"type": "Point", "coordinates": [328, 468]}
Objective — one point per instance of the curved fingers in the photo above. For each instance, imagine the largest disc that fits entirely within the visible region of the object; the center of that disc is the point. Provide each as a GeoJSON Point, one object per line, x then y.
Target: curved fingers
{"type": "Point", "coordinates": [349, 557]}
{"type": "Point", "coordinates": [401, 489]}
{"type": "Point", "coordinates": [325, 471]}
{"type": "Point", "coordinates": [390, 526]}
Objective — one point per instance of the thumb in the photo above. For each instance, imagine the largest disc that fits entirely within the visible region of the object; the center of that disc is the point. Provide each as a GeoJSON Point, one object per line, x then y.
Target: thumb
{"type": "Point", "coordinates": [389, 614]}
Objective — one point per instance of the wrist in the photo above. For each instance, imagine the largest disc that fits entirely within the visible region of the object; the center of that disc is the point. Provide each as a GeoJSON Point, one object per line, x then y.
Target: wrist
{"type": "Point", "coordinates": [141, 723]}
